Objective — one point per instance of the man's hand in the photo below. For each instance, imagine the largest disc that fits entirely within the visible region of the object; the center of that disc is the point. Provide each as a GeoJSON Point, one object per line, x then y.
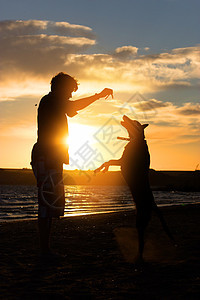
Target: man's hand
{"type": "Point", "coordinates": [106, 93]}
{"type": "Point", "coordinates": [104, 167]}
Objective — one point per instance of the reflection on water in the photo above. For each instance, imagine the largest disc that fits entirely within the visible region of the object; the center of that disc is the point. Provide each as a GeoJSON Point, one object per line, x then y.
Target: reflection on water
{"type": "Point", "coordinates": [20, 202]}
{"type": "Point", "coordinates": [82, 200]}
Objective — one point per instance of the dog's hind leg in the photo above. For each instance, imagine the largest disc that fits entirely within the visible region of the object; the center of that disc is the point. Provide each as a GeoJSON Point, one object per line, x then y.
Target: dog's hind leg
{"type": "Point", "coordinates": [143, 216]}
{"type": "Point", "coordinates": [163, 222]}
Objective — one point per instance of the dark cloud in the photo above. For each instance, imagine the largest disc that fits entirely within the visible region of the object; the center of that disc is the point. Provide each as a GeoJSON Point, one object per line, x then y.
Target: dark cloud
{"type": "Point", "coordinates": [125, 52]}
{"type": "Point", "coordinates": [166, 123]}
{"type": "Point", "coordinates": [175, 56]}
{"type": "Point", "coordinates": [189, 137]}
{"type": "Point", "coordinates": [20, 28]}
{"type": "Point", "coordinates": [189, 110]}
{"type": "Point", "coordinates": [150, 105]}
{"type": "Point", "coordinates": [39, 47]}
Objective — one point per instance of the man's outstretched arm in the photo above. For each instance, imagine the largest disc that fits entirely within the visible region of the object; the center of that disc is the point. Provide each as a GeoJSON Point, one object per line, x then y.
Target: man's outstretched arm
{"type": "Point", "coordinates": [84, 102]}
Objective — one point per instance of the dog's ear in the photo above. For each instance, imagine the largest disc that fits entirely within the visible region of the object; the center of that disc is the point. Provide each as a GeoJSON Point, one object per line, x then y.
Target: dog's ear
{"type": "Point", "coordinates": [145, 125]}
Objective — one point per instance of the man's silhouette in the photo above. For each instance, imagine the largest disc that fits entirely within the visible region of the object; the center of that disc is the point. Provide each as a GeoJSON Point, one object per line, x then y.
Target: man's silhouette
{"type": "Point", "coordinates": [50, 151]}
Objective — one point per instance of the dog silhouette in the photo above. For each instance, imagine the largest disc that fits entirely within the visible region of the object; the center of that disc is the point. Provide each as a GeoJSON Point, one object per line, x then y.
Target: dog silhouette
{"type": "Point", "coordinates": [134, 163]}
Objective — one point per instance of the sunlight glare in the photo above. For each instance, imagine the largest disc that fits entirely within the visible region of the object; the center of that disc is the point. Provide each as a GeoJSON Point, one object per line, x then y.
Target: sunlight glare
{"type": "Point", "coordinates": [78, 135]}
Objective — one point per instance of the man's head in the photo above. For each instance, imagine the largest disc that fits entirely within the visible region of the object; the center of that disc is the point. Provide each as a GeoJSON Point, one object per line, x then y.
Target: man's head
{"type": "Point", "coordinates": [64, 84]}
{"type": "Point", "coordinates": [134, 128]}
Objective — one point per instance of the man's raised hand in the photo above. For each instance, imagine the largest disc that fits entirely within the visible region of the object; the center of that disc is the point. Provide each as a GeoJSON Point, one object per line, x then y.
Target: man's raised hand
{"type": "Point", "coordinates": [106, 93]}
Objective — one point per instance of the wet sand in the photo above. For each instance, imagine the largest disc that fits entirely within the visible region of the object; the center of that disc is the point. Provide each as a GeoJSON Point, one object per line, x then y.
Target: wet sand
{"type": "Point", "coordinates": [99, 258]}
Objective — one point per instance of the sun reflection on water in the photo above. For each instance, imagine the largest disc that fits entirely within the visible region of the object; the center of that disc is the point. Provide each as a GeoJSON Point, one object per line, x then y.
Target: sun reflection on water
{"type": "Point", "coordinates": [95, 200]}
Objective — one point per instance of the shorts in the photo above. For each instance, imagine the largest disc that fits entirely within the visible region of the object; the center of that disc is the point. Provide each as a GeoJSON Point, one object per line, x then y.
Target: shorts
{"type": "Point", "coordinates": [51, 195]}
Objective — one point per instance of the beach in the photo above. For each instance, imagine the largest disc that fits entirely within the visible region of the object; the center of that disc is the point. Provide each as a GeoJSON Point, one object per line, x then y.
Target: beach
{"type": "Point", "coordinates": [97, 260]}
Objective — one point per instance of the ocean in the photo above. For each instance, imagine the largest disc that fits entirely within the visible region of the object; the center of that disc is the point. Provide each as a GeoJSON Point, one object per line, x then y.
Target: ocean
{"type": "Point", "coordinates": [18, 202]}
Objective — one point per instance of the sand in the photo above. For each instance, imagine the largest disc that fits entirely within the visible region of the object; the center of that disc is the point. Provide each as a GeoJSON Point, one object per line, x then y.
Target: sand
{"type": "Point", "coordinates": [99, 258]}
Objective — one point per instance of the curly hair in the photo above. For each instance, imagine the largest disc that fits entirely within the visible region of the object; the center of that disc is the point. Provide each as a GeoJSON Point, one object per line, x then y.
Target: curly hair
{"type": "Point", "coordinates": [63, 80]}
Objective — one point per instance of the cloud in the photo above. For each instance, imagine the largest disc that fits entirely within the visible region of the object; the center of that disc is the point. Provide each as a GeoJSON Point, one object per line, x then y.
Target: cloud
{"type": "Point", "coordinates": [144, 73]}
{"type": "Point", "coordinates": [169, 114]}
{"type": "Point", "coordinates": [176, 124]}
{"type": "Point", "coordinates": [125, 52]}
{"type": "Point", "coordinates": [151, 104]}
{"type": "Point", "coordinates": [37, 48]}
{"type": "Point", "coordinates": [190, 137]}
{"type": "Point", "coordinates": [189, 109]}
{"type": "Point", "coordinates": [20, 27]}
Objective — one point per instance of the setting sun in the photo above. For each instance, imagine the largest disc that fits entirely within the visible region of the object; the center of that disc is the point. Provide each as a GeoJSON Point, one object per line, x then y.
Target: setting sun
{"type": "Point", "coordinates": [78, 135]}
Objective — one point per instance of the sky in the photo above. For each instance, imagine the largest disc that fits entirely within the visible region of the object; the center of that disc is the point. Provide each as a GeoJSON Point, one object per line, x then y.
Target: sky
{"type": "Point", "coordinates": [147, 51]}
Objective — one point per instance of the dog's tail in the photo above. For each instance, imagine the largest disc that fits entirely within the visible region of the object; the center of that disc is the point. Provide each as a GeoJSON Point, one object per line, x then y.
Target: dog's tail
{"type": "Point", "coordinates": [163, 222]}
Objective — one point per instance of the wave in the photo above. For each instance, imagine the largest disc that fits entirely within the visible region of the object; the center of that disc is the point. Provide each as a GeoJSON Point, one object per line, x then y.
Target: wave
{"type": "Point", "coordinates": [20, 202]}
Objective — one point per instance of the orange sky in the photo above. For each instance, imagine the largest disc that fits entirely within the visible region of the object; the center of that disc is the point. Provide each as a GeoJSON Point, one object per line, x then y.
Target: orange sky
{"type": "Point", "coordinates": [161, 89]}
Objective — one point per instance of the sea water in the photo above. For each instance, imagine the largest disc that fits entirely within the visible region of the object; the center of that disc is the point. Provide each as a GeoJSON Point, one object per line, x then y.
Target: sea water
{"type": "Point", "coordinates": [19, 202]}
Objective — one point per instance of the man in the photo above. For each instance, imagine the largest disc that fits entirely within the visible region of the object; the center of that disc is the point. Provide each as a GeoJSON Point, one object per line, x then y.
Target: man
{"type": "Point", "coordinates": [50, 151]}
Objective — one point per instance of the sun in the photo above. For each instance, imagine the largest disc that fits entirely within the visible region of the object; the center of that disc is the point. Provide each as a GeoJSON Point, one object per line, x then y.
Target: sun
{"type": "Point", "coordinates": [79, 135]}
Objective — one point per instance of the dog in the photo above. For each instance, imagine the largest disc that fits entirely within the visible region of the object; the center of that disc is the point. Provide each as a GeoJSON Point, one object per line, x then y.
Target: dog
{"type": "Point", "coordinates": [134, 163]}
